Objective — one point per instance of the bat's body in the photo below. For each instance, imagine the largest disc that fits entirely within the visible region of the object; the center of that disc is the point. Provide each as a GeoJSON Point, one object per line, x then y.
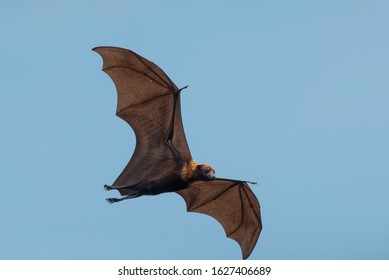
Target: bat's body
{"type": "Point", "coordinates": [173, 182]}
{"type": "Point", "coordinates": [150, 102]}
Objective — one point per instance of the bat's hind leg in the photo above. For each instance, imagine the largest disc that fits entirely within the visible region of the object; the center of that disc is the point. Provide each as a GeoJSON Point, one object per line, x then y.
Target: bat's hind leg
{"type": "Point", "coordinates": [130, 193]}
{"type": "Point", "coordinates": [113, 200]}
{"type": "Point", "coordinates": [108, 188]}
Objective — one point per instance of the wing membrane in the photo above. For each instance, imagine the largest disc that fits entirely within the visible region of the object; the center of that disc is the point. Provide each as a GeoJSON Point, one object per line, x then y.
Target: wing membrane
{"type": "Point", "coordinates": [232, 204]}
{"type": "Point", "coordinates": [146, 101]}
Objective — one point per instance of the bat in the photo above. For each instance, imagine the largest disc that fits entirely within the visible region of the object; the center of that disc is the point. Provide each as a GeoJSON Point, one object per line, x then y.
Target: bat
{"type": "Point", "coordinates": [149, 102]}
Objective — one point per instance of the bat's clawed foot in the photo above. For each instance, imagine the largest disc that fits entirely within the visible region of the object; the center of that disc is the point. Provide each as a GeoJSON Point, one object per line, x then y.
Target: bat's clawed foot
{"type": "Point", "coordinates": [108, 188]}
{"type": "Point", "coordinates": [112, 200]}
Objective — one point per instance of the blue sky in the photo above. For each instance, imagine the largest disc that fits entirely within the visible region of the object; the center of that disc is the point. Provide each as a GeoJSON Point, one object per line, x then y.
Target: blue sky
{"type": "Point", "coordinates": [292, 94]}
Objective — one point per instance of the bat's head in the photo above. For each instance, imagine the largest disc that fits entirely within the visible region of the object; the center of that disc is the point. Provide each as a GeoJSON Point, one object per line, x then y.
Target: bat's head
{"type": "Point", "coordinates": [207, 173]}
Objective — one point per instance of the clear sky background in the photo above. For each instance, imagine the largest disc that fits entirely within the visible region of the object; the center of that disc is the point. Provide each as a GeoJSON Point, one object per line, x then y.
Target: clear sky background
{"type": "Point", "coordinates": [292, 94]}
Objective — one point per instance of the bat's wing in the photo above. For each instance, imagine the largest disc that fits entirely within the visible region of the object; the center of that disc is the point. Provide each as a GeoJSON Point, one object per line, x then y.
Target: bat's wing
{"type": "Point", "coordinates": [150, 103]}
{"type": "Point", "coordinates": [230, 202]}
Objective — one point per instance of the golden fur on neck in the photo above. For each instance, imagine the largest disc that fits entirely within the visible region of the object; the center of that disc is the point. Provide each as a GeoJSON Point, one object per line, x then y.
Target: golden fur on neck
{"type": "Point", "coordinates": [189, 172]}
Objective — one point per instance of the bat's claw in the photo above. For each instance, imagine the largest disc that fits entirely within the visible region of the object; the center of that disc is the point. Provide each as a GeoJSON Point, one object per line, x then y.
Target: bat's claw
{"type": "Point", "coordinates": [179, 91]}
{"type": "Point", "coordinates": [253, 183]}
{"type": "Point", "coordinates": [108, 188]}
{"type": "Point", "coordinates": [112, 200]}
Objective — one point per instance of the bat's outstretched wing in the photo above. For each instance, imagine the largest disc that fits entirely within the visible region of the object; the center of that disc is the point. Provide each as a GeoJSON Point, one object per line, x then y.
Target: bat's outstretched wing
{"type": "Point", "coordinates": [230, 202]}
{"type": "Point", "coordinates": [150, 103]}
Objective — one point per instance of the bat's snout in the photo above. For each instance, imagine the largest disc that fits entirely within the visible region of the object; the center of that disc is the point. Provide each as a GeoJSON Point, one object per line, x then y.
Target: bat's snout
{"type": "Point", "coordinates": [211, 175]}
